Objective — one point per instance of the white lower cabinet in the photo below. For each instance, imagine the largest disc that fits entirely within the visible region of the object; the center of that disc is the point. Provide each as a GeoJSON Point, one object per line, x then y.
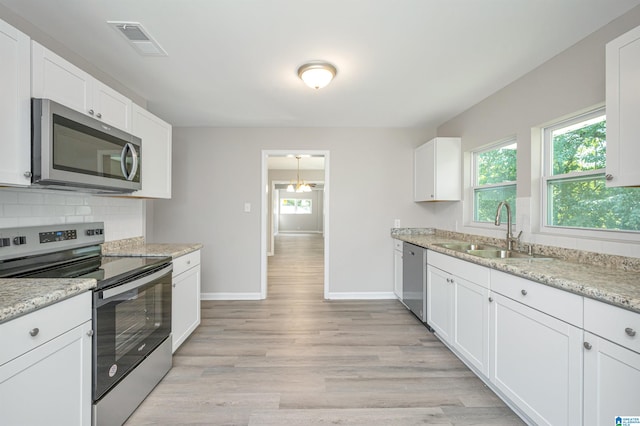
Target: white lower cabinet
{"type": "Point", "coordinates": [471, 323]}
{"type": "Point", "coordinates": [536, 362]}
{"type": "Point", "coordinates": [555, 357]}
{"type": "Point", "coordinates": [458, 308]}
{"type": "Point", "coordinates": [611, 378]}
{"type": "Point", "coordinates": [185, 301]}
{"type": "Point", "coordinates": [49, 381]}
{"type": "Point", "coordinates": [611, 363]}
{"type": "Point", "coordinates": [439, 301]}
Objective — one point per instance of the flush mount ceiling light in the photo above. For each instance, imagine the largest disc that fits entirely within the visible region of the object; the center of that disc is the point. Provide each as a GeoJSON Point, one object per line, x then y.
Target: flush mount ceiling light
{"type": "Point", "coordinates": [317, 74]}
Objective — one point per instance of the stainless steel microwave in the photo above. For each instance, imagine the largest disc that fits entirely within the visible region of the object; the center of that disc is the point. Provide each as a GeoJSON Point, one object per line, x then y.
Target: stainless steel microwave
{"type": "Point", "coordinates": [72, 151]}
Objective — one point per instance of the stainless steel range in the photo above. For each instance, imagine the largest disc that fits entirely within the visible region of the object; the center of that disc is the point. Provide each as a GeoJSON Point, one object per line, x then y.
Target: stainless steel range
{"type": "Point", "coordinates": [131, 308]}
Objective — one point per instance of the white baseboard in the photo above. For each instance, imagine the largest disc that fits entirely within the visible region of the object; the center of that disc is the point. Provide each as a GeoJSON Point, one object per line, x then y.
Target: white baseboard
{"type": "Point", "coordinates": [382, 295]}
{"type": "Point", "coordinates": [230, 296]}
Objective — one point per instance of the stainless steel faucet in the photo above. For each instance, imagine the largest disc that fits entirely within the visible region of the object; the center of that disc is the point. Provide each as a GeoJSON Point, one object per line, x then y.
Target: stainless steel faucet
{"type": "Point", "coordinates": [510, 239]}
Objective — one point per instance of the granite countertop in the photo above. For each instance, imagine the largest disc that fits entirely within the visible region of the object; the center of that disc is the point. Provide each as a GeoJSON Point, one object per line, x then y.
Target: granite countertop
{"type": "Point", "coordinates": [19, 296]}
{"type": "Point", "coordinates": [615, 286]}
{"type": "Point", "coordinates": [151, 250]}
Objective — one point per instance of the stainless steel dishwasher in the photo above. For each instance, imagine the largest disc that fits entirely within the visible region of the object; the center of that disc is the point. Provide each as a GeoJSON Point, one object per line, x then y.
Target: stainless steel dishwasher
{"type": "Point", "coordinates": [414, 284]}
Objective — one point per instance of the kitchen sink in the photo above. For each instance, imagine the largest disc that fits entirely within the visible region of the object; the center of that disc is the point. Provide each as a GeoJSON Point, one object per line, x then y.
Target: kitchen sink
{"type": "Point", "coordinates": [506, 254]}
{"type": "Point", "coordinates": [491, 252]}
{"type": "Point", "coordinates": [467, 246]}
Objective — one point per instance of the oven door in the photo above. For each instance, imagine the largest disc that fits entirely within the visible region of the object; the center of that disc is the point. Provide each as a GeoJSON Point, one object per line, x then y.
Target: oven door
{"type": "Point", "coordinates": [130, 320]}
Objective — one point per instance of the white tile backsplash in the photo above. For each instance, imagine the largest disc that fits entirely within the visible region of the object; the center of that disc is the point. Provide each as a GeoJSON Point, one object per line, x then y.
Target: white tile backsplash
{"type": "Point", "coordinates": [122, 217]}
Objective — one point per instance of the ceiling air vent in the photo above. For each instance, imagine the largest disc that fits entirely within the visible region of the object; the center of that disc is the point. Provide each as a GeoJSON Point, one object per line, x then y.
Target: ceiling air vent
{"type": "Point", "coordinates": [138, 37]}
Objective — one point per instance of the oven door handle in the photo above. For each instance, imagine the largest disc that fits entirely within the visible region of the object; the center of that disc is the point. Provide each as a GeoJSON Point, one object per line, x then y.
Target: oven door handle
{"type": "Point", "coordinates": [106, 294]}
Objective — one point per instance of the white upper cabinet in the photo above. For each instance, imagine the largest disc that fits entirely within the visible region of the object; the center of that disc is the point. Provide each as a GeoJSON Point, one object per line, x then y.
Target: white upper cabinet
{"type": "Point", "coordinates": [156, 153]}
{"type": "Point", "coordinates": [15, 107]}
{"type": "Point", "coordinates": [437, 170]}
{"type": "Point", "coordinates": [623, 107]}
{"type": "Point", "coordinates": [53, 77]}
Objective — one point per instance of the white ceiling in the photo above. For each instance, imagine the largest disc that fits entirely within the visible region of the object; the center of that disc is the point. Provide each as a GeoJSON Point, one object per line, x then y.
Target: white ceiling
{"type": "Point", "coordinates": [401, 63]}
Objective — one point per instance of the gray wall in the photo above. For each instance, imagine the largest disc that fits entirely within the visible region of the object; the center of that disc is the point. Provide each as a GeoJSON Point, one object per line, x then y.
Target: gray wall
{"type": "Point", "coordinates": [215, 171]}
{"type": "Point", "coordinates": [568, 83]}
{"type": "Point", "coordinates": [302, 222]}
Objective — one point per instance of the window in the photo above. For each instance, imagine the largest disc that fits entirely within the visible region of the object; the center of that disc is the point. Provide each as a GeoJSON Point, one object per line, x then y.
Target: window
{"type": "Point", "coordinates": [295, 206]}
{"type": "Point", "coordinates": [494, 180]}
{"type": "Point", "coordinates": [574, 190]}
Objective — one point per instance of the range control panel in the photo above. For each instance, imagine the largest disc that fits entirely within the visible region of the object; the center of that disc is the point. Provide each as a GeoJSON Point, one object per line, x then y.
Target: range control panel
{"type": "Point", "coordinates": [16, 242]}
{"type": "Point", "coordinates": [47, 237]}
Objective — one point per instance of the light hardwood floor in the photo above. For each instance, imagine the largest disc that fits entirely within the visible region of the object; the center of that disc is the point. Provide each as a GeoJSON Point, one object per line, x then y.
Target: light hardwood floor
{"type": "Point", "coordinates": [296, 359]}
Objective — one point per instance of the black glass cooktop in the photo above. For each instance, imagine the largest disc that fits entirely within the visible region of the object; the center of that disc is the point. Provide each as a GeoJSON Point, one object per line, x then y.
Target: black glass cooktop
{"type": "Point", "coordinates": [107, 270]}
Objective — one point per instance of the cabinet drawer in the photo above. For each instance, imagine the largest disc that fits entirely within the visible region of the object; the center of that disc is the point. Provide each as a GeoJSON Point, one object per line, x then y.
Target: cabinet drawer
{"type": "Point", "coordinates": [50, 322]}
{"type": "Point", "coordinates": [552, 301]}
{"type": "Point", "coordinates": [397, 245]}
{"type": "Point", "coordinates": [183, 263]}
{"type": "Point", "coordinates": [615, 324]}
{"type": "Point", "coordinates": [469, 271]}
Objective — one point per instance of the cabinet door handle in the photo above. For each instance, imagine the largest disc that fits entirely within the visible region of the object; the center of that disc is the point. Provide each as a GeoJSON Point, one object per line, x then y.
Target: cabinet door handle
{"type": "Point", "coordinates": [99, 115]}
{"type": "Point", "coordinates": [90, 112]}
{"type": "Point", "coordinates": [90, 333]}
{"type": "Point", "coordinates": [490, 299]}
{"type": "Point", "coordinates": [524, 292]}
{"type": "Point", "coordinates": [587, 346]}
{"type": "Point", "coordinates": [34, 332]}
{"type": "Point", "coordinates": [608, 176]}
{"type": "Point", "coordinates": [630, 331]}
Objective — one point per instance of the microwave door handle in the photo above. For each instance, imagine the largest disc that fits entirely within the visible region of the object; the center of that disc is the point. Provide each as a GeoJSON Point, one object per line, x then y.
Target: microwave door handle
{"type": "Point", "coordinates": [106, 294]}
{"type": "Point", "coordinates": [123, 160]}
{"type": "Point", "coordinates": [136, 162]}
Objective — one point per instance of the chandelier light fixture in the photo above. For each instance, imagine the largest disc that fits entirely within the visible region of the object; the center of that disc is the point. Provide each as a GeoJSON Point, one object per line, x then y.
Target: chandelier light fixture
{"type": "Point", "coordinates": [317, 74]}
{"type": "Point", "coordinates": [300, 185]}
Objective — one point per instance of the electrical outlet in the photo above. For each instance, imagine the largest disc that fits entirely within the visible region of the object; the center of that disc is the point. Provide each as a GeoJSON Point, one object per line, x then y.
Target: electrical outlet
{"type": "Point", "coordinates": [396, 223]}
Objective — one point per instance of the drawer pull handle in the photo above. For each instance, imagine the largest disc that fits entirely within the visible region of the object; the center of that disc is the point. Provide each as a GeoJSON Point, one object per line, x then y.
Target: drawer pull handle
{"type": "Point", "coordinates": [34, 332]}
{"type": "Point", "coordinates": [524, 292]}
{"type": "Point", "coordinates": [587, 346]}
{"type": "Point", "coordinates": [630, 331]}
{"type": "Point", "coordinates": [490, 299]}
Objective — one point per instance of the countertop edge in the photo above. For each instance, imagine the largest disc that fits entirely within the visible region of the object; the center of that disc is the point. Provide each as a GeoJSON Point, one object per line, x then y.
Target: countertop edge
{"type": "Point", "coordinates": [42, 293]}
{"type": "Point", "coordinates": [519, 268]}
{"type": "Point", "coordinates": [174, 250]}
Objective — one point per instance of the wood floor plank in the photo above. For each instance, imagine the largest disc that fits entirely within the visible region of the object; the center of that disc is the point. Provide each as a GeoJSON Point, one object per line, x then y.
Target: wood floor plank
{"type": "Point", "coordinates": [296, 359]}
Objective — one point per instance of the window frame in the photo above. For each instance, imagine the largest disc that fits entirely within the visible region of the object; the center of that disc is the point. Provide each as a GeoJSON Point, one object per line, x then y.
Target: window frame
{"type": "Point", "coordinates": [547, 177]}
{"type": "Point", "coordinates": [474, 179]}
{"type": "Point", "coordinates": [297, 202]}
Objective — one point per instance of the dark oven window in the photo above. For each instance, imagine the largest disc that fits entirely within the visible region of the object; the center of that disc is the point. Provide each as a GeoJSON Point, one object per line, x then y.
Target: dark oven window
{"type": "Point", "coordinates": [128, 327]}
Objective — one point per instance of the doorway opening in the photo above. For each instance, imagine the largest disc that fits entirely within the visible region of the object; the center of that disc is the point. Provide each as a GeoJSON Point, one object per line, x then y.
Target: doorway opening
{"type": "Point", "coordinates": [295, 220]}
